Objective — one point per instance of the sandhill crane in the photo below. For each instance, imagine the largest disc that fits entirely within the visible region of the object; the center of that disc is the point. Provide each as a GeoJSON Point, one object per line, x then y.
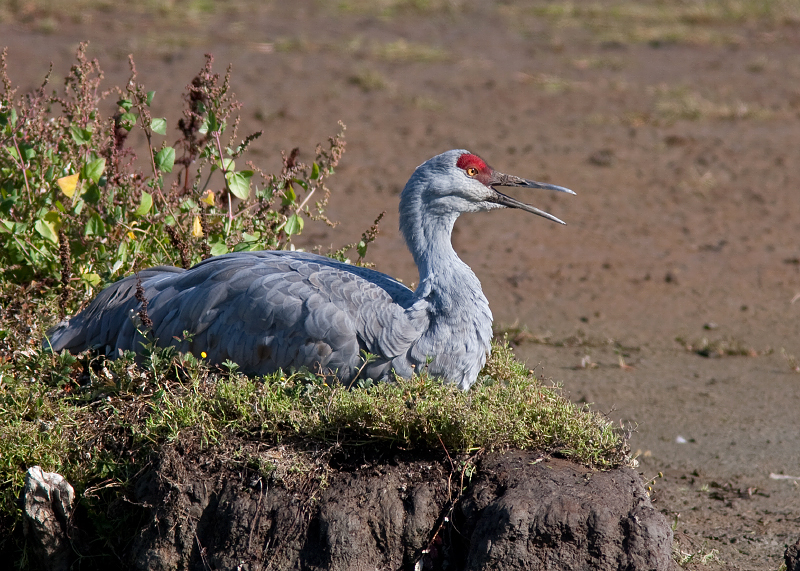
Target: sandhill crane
{"type": "Point", "coordinates": [278, 309]}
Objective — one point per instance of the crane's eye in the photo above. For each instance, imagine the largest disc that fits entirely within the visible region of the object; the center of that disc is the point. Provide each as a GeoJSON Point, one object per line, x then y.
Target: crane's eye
{"type": "Point", "coordinates": [472, 171]}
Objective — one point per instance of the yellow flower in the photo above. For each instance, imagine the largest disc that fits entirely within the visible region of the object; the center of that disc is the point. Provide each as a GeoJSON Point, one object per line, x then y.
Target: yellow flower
{"type": "Point", "coordinates": [203, 354]}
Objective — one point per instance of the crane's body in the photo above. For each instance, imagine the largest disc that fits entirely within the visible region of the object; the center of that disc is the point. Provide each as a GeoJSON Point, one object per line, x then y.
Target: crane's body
{"type": "Point", "coordinates": [279, 309]}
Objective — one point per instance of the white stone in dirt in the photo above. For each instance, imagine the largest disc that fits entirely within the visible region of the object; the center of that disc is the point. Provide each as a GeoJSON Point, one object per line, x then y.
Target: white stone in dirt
{"type": "Point", "coordinates": [48, 501]}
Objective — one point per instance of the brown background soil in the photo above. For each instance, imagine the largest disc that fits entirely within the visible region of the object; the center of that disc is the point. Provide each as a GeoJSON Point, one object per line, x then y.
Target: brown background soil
{"type": "Point", "coordinates": [684, 157]}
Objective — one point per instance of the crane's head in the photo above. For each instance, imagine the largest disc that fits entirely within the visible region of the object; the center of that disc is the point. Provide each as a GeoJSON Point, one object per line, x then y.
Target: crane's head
{"type": "Point", "coordinates": [460, 181]}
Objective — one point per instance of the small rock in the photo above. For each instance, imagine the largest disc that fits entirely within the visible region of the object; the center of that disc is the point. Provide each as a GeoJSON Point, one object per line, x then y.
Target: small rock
{"type": "Point", "coordinates": [602, 158]}
{"type": "Point", "coordinates": [48, 501]}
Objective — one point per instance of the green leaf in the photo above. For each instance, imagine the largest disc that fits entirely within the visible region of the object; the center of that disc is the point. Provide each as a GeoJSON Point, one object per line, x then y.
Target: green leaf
{"type": "Point", "coordinates": [288, 195]}
{"type": "Point", "coordinates": [54, 218]}
{"type": "Point", "coordinates": [314, 171]}
{"type": "Point", "coordinates": [122, 250]}
{"type": "Point", "coordinates": [47, 230]}
{"type": "Point", "coordinates": [245, 247]}
{"type": "Point", "coordinates": [145, 204]}
{"type": "Point", "coordinates": [218, 248]}
{"type": "Point", "coordinates": [27, 152]}
{"type": "Point", "coordinates": [93, 170]}
{"type": "Point", "coordinates": [239, 183]}
{"type": "Point", "coordinates": [294, 225]}
{"type": "Point", "coordinates": [165, 159]}
{"type": "Point", "coordinates": [94, 226]}
{"type": "Point", "coordinates": [362, 248]}
{"type": "Point", "coordinates": [126, 104]}
{"type": "Point", "coordinates": [213, 124]}
{"type": "Point", "coordinates": [80, 135]}
{"type": "Point", "coordinates": [92, 194]}
{"type": "Point", "coordinates": [188, 204]}
{"type": "Point", "coordinates": [91, 278]}
{"type": "Point", "coordinates": [7, 204]}
{"type": "Point", "coordinates": [159, 125]}
{"type": "Point", "coordinates": [227, 165]}
{"type": "Point", "coordinates": [127, 121]}
{"type": "Point", "coordinates": [150, 95]}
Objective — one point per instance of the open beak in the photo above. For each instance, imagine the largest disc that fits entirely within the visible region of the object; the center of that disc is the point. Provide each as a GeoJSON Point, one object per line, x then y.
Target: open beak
{"type": "Point", "coordinates": [500, 179]}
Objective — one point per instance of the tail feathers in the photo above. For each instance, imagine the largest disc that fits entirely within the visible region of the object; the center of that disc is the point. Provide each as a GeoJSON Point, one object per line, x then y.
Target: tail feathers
{"type": "Point", "coordinates": [105, 320]}
{"type": "Point", "coordinates": [62, 336]}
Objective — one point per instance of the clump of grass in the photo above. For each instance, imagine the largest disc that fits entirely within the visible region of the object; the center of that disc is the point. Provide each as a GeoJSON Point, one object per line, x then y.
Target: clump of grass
{"type": "Point", "coordinates": [54, 407]}
{"type": "Point", "coordinates": [673, 103]}
{"type": "Point", "coordinates": [791, 360]}
{"type": "Point", "coordinates": [701, 556]}
{"type": "Point", "coordinates": [390, 8]}
{"type": "Point", "coordinates": [405, 51]}
{"type": "Point", "coordinates": [720, 347]}
{"type": "Point", "coordinates": [369, 80]}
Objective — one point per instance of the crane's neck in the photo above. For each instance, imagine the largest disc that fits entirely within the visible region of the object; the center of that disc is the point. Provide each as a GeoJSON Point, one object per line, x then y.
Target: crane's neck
{"type": "Point", "coordinates": [444, 280]}
{"type": "Point", "coordinates": [459, 334]}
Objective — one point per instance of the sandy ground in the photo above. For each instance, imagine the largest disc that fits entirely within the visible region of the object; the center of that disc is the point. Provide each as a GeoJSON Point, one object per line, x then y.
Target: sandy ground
{"type": "Point", "coordinates": [684, 157]}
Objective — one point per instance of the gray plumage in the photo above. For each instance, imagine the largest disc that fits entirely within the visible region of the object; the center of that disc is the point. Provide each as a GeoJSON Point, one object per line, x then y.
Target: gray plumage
{"type": "Point", "coordinates": [278, 309]}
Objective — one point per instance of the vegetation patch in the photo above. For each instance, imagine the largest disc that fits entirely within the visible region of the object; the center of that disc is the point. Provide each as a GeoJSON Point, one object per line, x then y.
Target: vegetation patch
{"type": "Point", "coordinates": [720, 347]}
{"type": "Point", "coordinates": [704, 22]}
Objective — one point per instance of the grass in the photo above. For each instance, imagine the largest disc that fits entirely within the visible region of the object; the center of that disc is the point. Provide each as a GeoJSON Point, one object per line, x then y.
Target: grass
{"type": "Point", "coordinates": [791, 360]}
{"type": "Point", "coordinates": [700, 22]}
{"type": "Point", "coordinates": [674, 103]}
{"type": "Point", "coordinates": [703, 22]}
{"type": "Point", "coordinates": [53, 406]}
{"type": "Point", "coordinates": [720, 347]}
{"type": "Point", "coordinates": [405, 51]}
{"type": "Point", "coordinates": [390, 8]}
{"type": "Point", "coordinates": [368, 80]}
{"type": "Point", "coordinates": [701, 556]}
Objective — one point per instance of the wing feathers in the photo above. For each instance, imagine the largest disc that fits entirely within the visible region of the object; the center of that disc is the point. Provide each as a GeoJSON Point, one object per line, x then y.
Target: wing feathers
{"type": "Point", "coordinates": [263, 310]}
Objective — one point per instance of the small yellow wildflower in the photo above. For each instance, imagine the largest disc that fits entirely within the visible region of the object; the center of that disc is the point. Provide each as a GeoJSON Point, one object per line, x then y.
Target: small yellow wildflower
{"type": "Point", "coordinates": [203, 354]}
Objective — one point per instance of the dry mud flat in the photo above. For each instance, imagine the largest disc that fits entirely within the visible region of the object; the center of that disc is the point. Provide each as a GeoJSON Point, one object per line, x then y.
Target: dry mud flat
{"type": "Point", "coordinates": [679, 133]}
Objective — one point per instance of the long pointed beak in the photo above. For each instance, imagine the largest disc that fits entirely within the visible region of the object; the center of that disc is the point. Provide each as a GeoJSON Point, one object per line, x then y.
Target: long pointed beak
{"type": "Point", "coordinates": [500, 179]}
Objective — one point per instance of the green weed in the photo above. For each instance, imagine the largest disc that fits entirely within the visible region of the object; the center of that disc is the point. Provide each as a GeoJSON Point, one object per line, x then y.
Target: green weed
{"type": "Point", "coordinates": [77, 207]}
